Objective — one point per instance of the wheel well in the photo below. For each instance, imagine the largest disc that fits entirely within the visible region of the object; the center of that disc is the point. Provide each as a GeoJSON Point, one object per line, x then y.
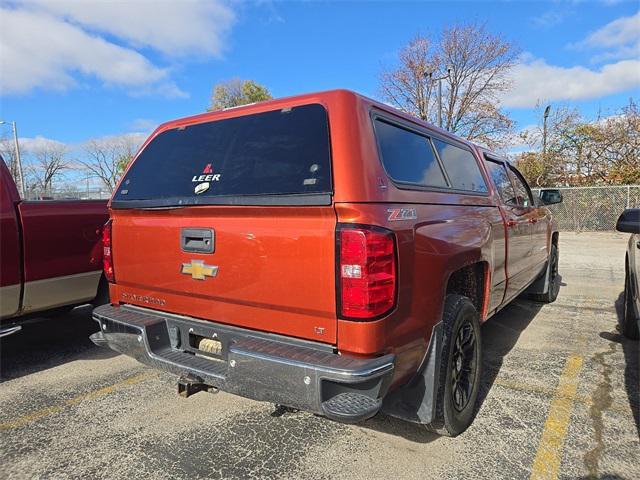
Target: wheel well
{"type": "Point", "coordinates": [555, 237]}
{"type": "Point", "coordinates": [470, 281]}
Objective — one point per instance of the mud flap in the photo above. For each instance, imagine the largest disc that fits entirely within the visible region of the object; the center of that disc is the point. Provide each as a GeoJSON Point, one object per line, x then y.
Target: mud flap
{"type": "Point", "coordinates": [541, 284]}
{"type": "Point", "coordinates": [416, 401]}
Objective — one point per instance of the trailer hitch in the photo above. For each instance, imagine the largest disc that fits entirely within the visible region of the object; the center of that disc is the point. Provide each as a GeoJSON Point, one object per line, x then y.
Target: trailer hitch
{"type": "Point", "coordinates": [189, 384]}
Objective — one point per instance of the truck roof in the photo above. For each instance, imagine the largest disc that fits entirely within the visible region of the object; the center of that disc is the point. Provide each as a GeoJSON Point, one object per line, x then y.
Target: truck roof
{"type": "Point", "coordinates": [324, 97]}
{"type": "Point", "coordinates": [348, 115]}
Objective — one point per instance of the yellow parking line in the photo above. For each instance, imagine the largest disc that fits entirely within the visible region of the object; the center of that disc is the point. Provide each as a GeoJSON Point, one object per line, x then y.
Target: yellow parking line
{"type": "Point", "coordinates": [523, 387]}
{"type": "Point", "coordinates": [549, 454]}
{"type": "Point", "coordinates": [47, 411]}
{"type": "Point", "coordinates": [548, 392]}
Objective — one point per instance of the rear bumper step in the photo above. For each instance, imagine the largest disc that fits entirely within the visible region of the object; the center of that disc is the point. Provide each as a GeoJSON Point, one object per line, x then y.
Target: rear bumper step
{"type": "Point", "coordinates": [9, 330]}
{"type": "Point", "coordinates": [259, 366]}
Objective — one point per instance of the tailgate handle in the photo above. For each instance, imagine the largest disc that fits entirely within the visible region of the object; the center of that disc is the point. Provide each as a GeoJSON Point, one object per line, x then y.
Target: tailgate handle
{"type": "Point", "coordinates": [197, 240]}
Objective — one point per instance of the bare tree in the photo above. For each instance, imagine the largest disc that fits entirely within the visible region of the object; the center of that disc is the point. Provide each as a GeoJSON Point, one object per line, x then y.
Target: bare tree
{"type": "Point", "coordinates": [474, 65]}
{"type": "Point", "coordinates": [8, 152]}
{"type": "Point", "coordinates": [558, 164]}
{"type": "Point", "coordinates": [584, 152]}
{"type": "Point", "coordinates": [108, 157]}
{"type": "Point", "coordinates": [618, 144]}
{"type": "Point", "coordinates": [49, 159]}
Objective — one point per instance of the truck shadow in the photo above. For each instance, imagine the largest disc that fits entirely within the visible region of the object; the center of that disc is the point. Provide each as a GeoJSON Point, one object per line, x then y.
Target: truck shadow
{"type": "Point", "coordinates": [49, 342]}
{"type": "Point", "coordinates": [631, 350]}
{"type": "Point", "coordinates": [499, 335]}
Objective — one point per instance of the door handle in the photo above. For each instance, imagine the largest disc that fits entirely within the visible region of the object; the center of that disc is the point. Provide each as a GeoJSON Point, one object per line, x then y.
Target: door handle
{"type": "Point", "coordinates": [197, 240]}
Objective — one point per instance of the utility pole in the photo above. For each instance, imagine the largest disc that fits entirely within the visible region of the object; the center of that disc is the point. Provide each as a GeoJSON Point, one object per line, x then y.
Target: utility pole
{"type": "Point", "coordinates": [17, 148]}
{"type": "Point", "coordinates": [544, 133]}
{"type": "Point", "coordinates": [439, 80]}
{"type": "Point", "coordinates": [440, 102]}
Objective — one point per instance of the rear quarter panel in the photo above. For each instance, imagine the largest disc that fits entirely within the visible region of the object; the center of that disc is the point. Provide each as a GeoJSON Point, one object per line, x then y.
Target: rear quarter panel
{"type": "Point", "coordinates": [452, 230]}
{"type": "Point", "coordinates": [444, 239]}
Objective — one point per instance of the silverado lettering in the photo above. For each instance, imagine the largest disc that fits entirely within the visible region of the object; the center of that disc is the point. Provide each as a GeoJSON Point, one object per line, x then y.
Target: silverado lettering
{"type": "Point", "coordinates": [132, 297]}
{"type": "Point", "coordinates": [332, 295]}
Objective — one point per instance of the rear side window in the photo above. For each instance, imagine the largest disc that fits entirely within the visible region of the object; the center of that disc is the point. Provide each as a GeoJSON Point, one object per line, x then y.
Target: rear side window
{"type": "Point", "coordinates": [273, 153]}
{"type": "Point", "coordinates": [501, 180]}
{"type": "Point", "coordinates": [523, 194]}
{"type": "Point", "coordinates": [407, 156]}
{"type": "Point", "coordinates": [461, 166]}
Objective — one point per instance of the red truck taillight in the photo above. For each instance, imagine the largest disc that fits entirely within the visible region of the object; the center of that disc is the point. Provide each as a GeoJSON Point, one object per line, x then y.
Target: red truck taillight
{"type": "Point", "coordinates": [367, 271]}
{"type": "Point", "coordinates": [107, 258]}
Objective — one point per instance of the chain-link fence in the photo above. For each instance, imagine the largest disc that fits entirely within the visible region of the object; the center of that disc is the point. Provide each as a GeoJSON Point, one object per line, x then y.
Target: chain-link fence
{"type": "Point", "coordinates": [582, 208]}
{"type": "Point", "coordinates": [68, 194]}
{"type": "Point", "coordinates": [594, 208]}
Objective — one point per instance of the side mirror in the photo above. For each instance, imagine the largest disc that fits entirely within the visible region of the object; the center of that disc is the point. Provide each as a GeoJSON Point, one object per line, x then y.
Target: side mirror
{"type": "Point", "coordinates": [629, 221]}
{"type": "Point", "coordinates": [549, 196]}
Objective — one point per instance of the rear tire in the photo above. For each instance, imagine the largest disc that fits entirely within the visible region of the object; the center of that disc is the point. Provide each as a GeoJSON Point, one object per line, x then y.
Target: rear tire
{"type": "Point", "coordinates": [629, 318]}
{"type": "Point", "coordinates": [552, 277]}
{"type": "Point", "coordinates": [460, 367]}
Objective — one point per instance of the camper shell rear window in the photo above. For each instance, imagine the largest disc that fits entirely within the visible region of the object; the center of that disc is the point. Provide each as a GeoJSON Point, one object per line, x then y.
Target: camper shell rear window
{"type": "Point", "coordinates": [277, 157]}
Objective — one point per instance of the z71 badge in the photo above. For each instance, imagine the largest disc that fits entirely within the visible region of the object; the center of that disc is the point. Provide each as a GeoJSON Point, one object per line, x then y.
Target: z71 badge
{"type": "Point", "coordinates": [402, 214]}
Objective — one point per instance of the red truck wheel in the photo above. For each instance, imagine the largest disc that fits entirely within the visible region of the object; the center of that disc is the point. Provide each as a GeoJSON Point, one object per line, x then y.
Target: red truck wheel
{"type": "Point", "coordinates": [460, 367]}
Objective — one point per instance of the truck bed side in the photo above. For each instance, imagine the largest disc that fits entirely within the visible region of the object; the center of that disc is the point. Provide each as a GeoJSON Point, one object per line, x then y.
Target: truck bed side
{"type": "Point", "coordinates": [51, 251]}
{"type": "Point", "coordinates": [62, 251]}
{"type": "Point", "coordinates": [10, 254]}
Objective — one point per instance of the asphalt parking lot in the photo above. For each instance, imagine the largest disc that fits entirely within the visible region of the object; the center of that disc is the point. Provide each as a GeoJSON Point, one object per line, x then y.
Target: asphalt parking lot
{"type": "Point", "coordinates": [560, 399]}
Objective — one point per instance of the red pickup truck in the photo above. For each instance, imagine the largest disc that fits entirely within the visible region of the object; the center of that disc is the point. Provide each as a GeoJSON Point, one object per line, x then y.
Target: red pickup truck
{"type": "Point", "coordinates": [50, 254]}
{"type": "Point", "coordinates": [324, 252]}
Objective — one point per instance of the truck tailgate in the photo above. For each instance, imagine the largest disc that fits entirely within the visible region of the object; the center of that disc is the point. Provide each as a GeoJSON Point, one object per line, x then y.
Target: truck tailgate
{"type": "Point", "coordinates": [271, 268]}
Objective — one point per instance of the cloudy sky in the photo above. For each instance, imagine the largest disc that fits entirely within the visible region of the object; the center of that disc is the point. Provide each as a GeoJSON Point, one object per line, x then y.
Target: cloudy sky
{"type": "Point", "coordinates": [73, 70]}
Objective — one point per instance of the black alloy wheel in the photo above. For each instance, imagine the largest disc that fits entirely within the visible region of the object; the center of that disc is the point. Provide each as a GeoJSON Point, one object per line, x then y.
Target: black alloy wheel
{"type": "Point", "coordinates": [463, 366]}
{"type": "Point", "coordinates": [629, 319]}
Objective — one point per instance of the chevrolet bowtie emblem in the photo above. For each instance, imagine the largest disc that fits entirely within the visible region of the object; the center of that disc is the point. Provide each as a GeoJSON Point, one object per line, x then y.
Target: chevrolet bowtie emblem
{"type": "Point", "coordinates": [198, 270]}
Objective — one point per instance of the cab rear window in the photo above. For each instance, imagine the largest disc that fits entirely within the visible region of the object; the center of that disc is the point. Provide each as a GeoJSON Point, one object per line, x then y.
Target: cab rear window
{"type": "Point", "coordinates": [281, 152]}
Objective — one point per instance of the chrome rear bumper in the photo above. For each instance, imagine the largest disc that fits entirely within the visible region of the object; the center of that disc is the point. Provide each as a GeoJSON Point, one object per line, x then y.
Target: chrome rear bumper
{"type": "Point", "coordinates": [256, 365]}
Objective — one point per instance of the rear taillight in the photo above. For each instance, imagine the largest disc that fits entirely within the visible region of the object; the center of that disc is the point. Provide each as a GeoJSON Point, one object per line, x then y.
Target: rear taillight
{"type": "Point", "coordinates": [107, 257]}
{"type": "Point", "coordinates": [367, 272]}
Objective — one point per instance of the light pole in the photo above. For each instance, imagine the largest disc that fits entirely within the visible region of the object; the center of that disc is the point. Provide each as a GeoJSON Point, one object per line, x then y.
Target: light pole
{"type": "Point", "coordinates": [17, 147]}
{"type": "Point", "coordinates": [544, 133]}
{"type": "Point", "coordinates": [439, 80]}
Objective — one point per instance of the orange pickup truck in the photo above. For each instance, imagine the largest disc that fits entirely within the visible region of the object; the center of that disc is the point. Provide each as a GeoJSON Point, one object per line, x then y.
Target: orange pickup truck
{"type": "Point", "coordinates": [323, 252]}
